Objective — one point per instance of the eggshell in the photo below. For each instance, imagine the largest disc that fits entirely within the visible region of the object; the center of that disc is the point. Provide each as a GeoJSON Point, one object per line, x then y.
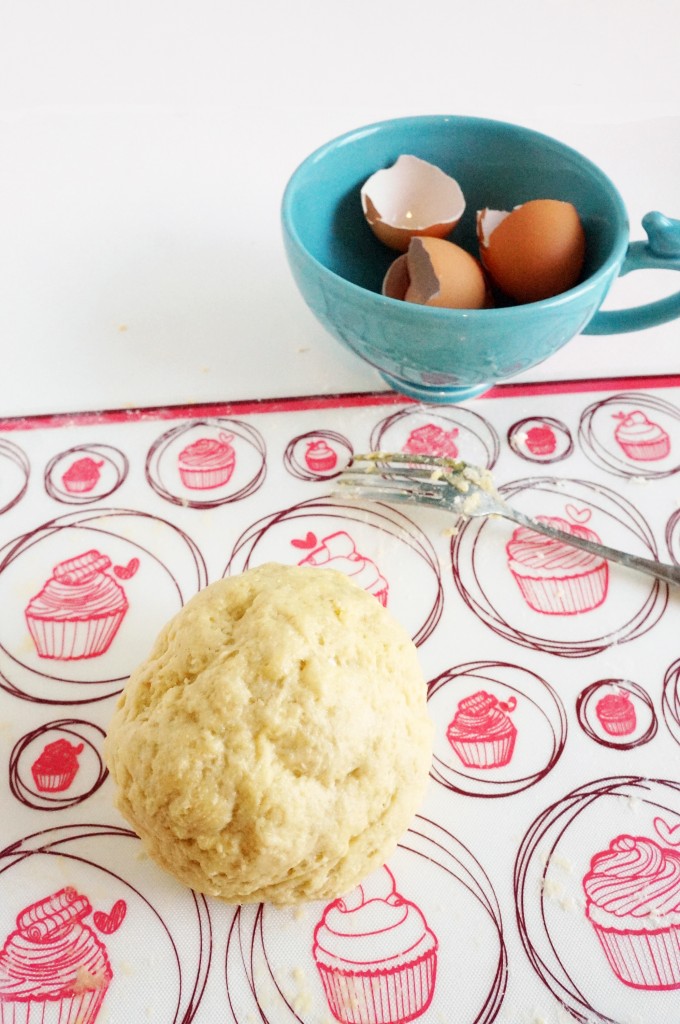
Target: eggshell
{"type": "Point", "coordinates": [435, 272]}
{"type": "Point", "coordinates": [535, 251]}
{"type": "Point", "coordinates": [412, 198]}
{"type": "Point", "coordinates": [397, 279]}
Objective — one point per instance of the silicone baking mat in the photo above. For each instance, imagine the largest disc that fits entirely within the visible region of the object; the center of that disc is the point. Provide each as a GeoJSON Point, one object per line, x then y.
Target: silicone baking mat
{"type": "Point", "coordinates": [540, 881]}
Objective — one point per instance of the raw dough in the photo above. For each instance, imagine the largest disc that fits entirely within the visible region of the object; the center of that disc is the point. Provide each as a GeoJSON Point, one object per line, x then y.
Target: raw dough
{"type": "Point", "coordinates": [275, 744]}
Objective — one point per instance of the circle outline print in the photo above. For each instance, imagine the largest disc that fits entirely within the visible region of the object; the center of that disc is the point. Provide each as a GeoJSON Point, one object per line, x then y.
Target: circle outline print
{"type": "Point", "coordinates": [18, 458]}
{"type": "Point", "coordinates": [531, 707]}
{"type": "Point", "coordinates": [670, 700]}
{"type": "Point", "coordinates": [299, 467]}
{"type": "Point", "coordinates": [373, 516]}
{"type": "Point", "coordinates": [519, 443]}
{"type": "Point", "coordinates": [248, 442]}
{"type": "Point", "coordinates": [476, 556]}
{"type": "Point", "coordinates": [559, 934]}
{"type": "Point", "coordinates": [152, 540]}
{"type": "Point", "coordinates": [629, 736]}
{"type": "Point", "coordinates": [88, 849]}
{"type": "Point", "coordinates": [81, 733]}
{"type": "Point", "coordinates": [259, 942]}
{"type": "Point", "coordinates": [461, 421]}
{"type": "Point", "coordinates": [610, 454]}
{"type": "Point", "coordinates": [113, 461]}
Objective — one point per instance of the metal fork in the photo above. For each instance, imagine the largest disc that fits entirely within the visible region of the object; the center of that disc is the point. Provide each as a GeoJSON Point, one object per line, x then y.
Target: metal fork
{"type": "Point", "coordinates": [467, 491]}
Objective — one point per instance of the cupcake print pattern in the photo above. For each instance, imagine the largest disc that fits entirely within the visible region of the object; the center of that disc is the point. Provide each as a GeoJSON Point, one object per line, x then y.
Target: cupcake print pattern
{"type": "Point", "coordinates": [616, 714]}
{"type": "Point", "coordinates": [640, 438]}
{"type": "Point", "coordinates": [431, 439]}
{"type": "Point", "coordinates": [481, 733]}
{"type": "Point", "coordinates": [208, 462]}
{"type": "Point", "coordinates": [633, 902]}
{"type": "Point", "coordinates": [475, 929]}
{"type": "Point", "coordinates": [82, 475]}
{"type": "Point", "coordinates": [53, 968]}
{"type": "Point", "coordinates": [376, 956]}
{"type": "Point", "coordinates": [554, 578]}
{"type": "Point", "coordinates": [319, 456]}
{"type": "Point", "coordinates": [56, 767]}
{"type": "Point", "coordinates": [78, 611]}
{"type": "Point", "coordinates": [338, 551]}
{"type": "Point", "coordinates": [541, 440]}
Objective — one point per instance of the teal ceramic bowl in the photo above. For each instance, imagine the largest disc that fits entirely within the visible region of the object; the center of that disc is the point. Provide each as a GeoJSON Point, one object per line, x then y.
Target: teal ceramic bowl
{"type": "Point", "coordinates": [447, 355]}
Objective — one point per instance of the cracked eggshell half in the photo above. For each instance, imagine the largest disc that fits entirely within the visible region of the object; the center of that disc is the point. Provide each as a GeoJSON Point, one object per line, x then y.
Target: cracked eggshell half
{"type": "Point", "coordinates": [435, 272]}
{"type": "Point", "coordinates": [411, 198]}
{"type": "Point", "coordinates": [534, 251]}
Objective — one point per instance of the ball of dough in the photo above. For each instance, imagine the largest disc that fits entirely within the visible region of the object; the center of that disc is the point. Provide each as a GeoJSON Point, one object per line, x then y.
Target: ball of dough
{"type": "Point", "coordinates": [276, 743]}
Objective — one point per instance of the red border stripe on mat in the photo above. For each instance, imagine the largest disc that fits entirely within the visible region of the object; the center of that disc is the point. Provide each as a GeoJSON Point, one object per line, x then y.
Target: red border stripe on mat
{"type": "Point", "coordinates": [302, 402]}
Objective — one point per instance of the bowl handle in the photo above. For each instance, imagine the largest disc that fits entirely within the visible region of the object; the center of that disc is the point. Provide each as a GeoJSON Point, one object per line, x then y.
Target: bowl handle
{"type": "Point", "coordinates": [660, 251]}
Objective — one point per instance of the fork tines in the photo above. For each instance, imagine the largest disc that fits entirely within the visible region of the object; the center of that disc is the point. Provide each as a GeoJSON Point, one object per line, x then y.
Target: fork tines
{"type": "Point", "coordinates": [404, 463]}
{"type": "Point", "coordinates": [399, 474]}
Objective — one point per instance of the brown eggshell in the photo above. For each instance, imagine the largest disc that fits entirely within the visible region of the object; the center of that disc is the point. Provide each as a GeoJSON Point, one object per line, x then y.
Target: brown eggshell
{"type": "Point", "coordinates": [535, 251]}
{"type": "Point", "coordinates": [442, 274]}
{"type": "Point", "coordinates": [397, 279]}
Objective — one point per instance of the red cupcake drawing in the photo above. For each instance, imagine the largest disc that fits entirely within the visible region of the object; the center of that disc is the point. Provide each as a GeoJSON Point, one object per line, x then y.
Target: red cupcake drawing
{"type": "Point", "coordinates": [554, 578]}
{"type": "Point", "coordinates": [82, 475]}
{"type": "Point", "coordinates": [541, 440]}
{"type": "Point", "coordinates": [208, 462]}
{"type": "Point", "coordinates": [432, 440]}
{"type": "Point", "coordinates": [633, 903]}
{"type": "Point", "coordinates": [481, 732]}
{"type": "Point", "coordinates": [78, 611]}
{"type": "Point", "coordinates": [53, 968]}
{"type": "Point", "coordinates": [338, 551]}
{"type": "Point", "coordinates": [319, 456]}
{"type": "Point", "coordinates": [376, 956]}
{"type": "Point", "coordinates": [616, 714]}
{"type": "Point", "coordinates": [56, 767]}
{"type": "Point", "coordinates": [640, 438]}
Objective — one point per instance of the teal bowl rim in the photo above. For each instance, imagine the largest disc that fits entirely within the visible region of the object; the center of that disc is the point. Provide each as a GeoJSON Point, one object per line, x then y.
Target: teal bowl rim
{"type": "Point", "coordinates": [595, 280]}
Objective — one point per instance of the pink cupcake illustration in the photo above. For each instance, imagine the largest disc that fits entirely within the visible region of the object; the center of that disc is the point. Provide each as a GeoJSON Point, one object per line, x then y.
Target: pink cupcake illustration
{"type": "Point", "coordinates": [481, 732]}
{"type": "Point", "coordinates": [338, 551]}
{"type": "Point", "coordinates": [53, 968]}
{"type": "Point", "coordinates": [56, 767]}
{"type": "Point", "coordinates": [78, 611]}
{"type": "Point", "coordinates": [541, 440]}
{"type": "Point", "coordinates": [640, 438]}
{"type": "Point", "coordinates": [376, 956]}
{"type": "Point", "coordinates": [633, 903]}
{"type": "Point", "coordinates": [432, 440]}
{"type": "Point", "coordinates": [554, 578]}
{"type": "Point", "coordinates": [616, 714]}
{"type": "Point", "coordinates": [208, 462]}
{"type": "Point", "coordinates": [82, 475]}
{"type": "Point", "coordinates": [319, 456]}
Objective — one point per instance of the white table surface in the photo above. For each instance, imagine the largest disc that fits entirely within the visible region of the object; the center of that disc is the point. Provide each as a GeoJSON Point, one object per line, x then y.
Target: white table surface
{"type": "Point", "coordinates": [145, 145]}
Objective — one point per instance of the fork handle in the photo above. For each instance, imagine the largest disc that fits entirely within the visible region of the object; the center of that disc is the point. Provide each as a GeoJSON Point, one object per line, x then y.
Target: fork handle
{"type": "Point", "coordinates": [662, 571]}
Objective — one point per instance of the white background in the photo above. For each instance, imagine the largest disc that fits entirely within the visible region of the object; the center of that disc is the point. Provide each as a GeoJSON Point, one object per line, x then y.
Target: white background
{"type": "Point", "coordinates": [145, 146]}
